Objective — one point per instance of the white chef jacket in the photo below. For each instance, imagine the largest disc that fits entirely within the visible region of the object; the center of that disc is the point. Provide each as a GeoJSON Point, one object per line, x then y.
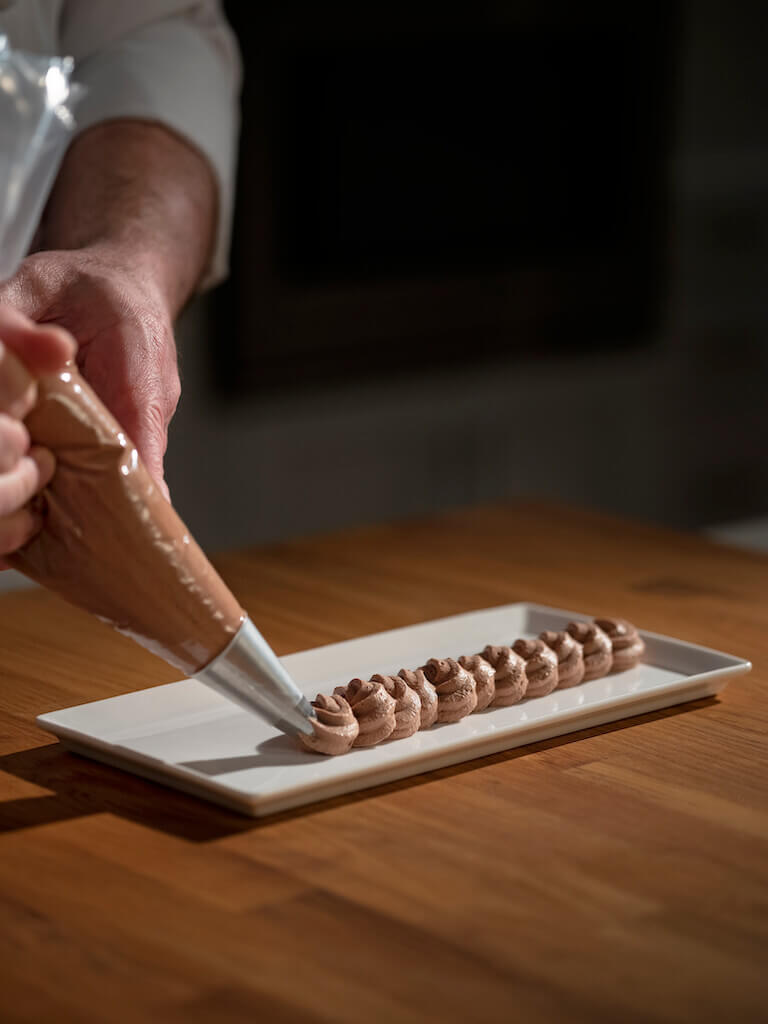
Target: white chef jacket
{"type": "Point", "coordinates": [168, 61]}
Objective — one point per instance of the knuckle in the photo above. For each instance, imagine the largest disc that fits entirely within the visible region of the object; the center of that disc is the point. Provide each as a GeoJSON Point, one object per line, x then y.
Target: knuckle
{"type": "Point", "coordinates": [110, 291]}
{"type": "Point", "coordinates": [39, 276]}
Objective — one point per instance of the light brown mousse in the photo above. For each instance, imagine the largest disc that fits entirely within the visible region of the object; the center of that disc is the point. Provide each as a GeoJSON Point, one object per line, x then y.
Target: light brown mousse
{"type": "Point", "coordinates": [336, 728]}
{"type": "Point", "coordinates": [540, 666]}
{"type": "Point", "coordinates": [418, 682]}
{"type": "Point", "coordinates": [570, 657]}
{"type": "Point", "coordinates": [485, 678]}
{"type": "Point", "coordinates": [597, 648]}
{"type": "Point", "coordinates": [456, 690]}
{"type": "Point", "coordinates": [510, 679]}
{"type": "Point", "coordinates": [373, 708]}
{"type": "Point", "coordinates": [628, 647]}
{"type": "Point", "coordinates": [407, 705]}
{"type": "Point", "coordinates": [111, 543]}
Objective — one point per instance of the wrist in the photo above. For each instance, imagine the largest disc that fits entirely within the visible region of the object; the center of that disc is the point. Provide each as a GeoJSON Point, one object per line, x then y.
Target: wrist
{"type": "Point", "coordinates": [140, 197]}
{"type": "Point", "coordinates": [129, 258]}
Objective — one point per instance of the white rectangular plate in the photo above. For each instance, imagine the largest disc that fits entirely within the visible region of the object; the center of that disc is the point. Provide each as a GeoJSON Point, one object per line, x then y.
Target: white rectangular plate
{"type": "Point", "coordinates": [187, 736]}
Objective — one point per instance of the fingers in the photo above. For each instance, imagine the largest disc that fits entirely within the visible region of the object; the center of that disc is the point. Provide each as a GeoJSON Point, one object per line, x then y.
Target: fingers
{"type": "Point", "coordinates": [147, 426]}
{"type": "Point", "coordinates": [17, 387]}
{"type": "Point", "coordinates": [27, 350]}
{"type": "Point", "coordinates": [17, 530]}
{"type": "Point", "coordinates": [46, 466]}
{"type": "Point", "coordinates": [14, 442]}
{"type": "Point", "coordinates": [134, 371]}
{"type": "Point", "coordinates": [163, 488]}
{"type": "Point", "coordinates": [151, 449]}
{"type": "Point", "coordinates": [18, 523]}
{"type": "Point", "coordinates": [42, 348]}
{"type": "Point", "coordinates": [30, 474]}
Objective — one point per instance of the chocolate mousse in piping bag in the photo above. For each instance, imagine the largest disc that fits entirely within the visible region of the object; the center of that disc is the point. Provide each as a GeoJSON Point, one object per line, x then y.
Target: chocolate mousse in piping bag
{"type": "Point", "coordinates": [570, 657]}
{"type": "Point", "coordinates": [112, 544]}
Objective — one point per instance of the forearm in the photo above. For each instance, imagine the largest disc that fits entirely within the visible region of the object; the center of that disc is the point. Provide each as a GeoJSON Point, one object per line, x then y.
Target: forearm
{"type": "Point", "coordinates": [136, 191]}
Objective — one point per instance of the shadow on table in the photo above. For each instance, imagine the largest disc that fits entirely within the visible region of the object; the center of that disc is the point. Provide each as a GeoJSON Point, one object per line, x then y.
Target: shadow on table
{"type": "Point", "coordinates": [81, 787]}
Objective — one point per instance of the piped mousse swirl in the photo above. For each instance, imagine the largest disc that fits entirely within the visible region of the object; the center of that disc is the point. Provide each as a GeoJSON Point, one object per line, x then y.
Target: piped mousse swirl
{"type": "Point", "coordinates": [456, 688]}
{"type": "Point", "coordinates": [540, 666]}
{"type": "Point", "coordinates": [336, 728]}
{"type": "Point", "coordinates": [407, 705]}
{"type": "Point", "coordinates": [415, 679]}
{"type": "Point", "coordinates": [510, 679]}
{"type": "Point", "coordinates": [373, 708]}
{"type": "Point", "coordinates": [485, 678]}
{"type": "Point", "coordinates": [364, 713]}
{"type": "Point", "coordinates": [570, 657]}
{"type": "Point", "coordinates": [627, 645]}
{"type": "Point", "coordinates": [596, 646]}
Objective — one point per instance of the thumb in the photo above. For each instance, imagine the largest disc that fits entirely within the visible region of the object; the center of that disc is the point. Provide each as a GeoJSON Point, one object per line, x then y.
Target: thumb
{"type": "Point", "coordinates": [42, 348]}
{"type": "Point", "coordinates": [145, 427]}
{"type": "Point", "coordinates": [151, 452]}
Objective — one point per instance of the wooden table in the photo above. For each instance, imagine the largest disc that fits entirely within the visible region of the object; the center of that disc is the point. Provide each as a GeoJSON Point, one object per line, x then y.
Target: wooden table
{"type": "Point", "coordinates": [618, 874]}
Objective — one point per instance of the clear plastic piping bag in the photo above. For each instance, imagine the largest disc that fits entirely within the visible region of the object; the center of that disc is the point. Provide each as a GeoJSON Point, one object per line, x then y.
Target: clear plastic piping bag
{"type": "Point", "coordinates": [37, 97]}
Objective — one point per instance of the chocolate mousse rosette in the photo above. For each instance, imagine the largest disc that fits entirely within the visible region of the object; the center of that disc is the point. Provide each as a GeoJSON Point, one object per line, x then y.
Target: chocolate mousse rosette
{"type": "Point", "coordinates": [628, 647]}
{"type": "Point", "coordinates": [596, 648]}
{"type": "Point", "coordinates": [335, 726]}
{"type": "Point", "coordinates": [407, 705]}
{"type": "Point", "coordinates": [510, 680]}
{"type": "Point", "coordinates": [373, 708]}
{"type": "Point", "coordinates": [485, 678]}
{"type": "Point", "coordinates": [415, 679]}
{"type": "Point", "coordinates": [540, 666]}
{"type": "Point", "coordinates": [570, 657]}
{"type": "Point", "coordinates": [456, 689]}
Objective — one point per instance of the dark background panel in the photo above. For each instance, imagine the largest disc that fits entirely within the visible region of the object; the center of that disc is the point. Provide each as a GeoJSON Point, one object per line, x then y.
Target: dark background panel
{"type": "Point", "coordinates": [483, 185]}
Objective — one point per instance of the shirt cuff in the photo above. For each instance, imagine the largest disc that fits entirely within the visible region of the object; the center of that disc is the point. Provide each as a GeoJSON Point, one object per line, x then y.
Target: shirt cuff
{"type": "Point", "coordinates": [170, 72]}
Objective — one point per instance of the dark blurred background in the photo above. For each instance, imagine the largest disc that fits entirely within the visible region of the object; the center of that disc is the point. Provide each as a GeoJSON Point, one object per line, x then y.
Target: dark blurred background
{"type": "Point", "coordinates": [514, 249]}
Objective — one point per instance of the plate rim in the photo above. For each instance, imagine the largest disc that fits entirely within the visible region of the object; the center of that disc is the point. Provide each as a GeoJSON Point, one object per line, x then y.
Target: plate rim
{"type": "Point", "coordinates": [697, 685]}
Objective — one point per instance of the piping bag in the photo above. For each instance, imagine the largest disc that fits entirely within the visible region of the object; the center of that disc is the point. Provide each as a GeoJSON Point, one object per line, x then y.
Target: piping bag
{"type": "Point", "coordinates": [110, 542]}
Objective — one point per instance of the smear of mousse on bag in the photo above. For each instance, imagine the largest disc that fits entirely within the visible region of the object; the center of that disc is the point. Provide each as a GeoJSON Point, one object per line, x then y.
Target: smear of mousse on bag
{"type": "Point", "coordinates": [111, 543]}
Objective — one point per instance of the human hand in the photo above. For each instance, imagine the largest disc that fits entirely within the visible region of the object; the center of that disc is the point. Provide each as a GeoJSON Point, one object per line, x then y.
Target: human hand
{"type": "Point", "coordinates": [26, 351]}
{"type": "Point", "coordinates": [116, 311]}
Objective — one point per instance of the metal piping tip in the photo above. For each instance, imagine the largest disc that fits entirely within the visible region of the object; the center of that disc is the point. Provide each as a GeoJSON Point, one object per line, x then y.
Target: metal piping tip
{"type": "Point", "coordinates": [249, 673]}
{"type": "Point", "coordinates": [299, 721]}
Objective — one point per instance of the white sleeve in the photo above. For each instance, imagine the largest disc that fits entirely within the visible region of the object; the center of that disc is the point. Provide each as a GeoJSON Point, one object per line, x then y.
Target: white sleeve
{"type": "Point", "coordinates": [172, 62]}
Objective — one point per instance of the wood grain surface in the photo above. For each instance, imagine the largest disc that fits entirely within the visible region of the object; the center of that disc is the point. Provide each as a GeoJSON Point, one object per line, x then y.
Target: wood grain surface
{"type": "Point", "coordinates": [617, 874]}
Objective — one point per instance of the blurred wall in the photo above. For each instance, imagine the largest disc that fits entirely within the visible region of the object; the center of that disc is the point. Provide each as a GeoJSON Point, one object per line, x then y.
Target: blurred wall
{"type": "Point", "coordinates": [675, 433]}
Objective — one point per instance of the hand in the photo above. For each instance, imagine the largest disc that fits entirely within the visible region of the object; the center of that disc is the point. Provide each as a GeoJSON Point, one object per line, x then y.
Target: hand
{"type": "Point", "coordinates": [112, 305]}
{"type": "Point", "coordinates": [26, 350]}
